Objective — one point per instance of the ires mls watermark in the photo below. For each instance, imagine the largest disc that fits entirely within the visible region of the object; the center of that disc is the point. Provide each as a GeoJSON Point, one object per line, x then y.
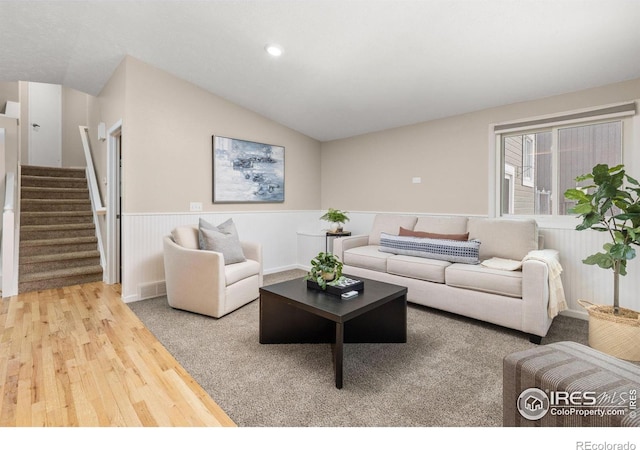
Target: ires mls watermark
{"type": "Point", "coordinates": [534, 403]}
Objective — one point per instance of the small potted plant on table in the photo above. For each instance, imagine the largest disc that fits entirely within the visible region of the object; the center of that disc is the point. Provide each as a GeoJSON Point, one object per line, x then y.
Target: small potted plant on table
{"type": "Point", "coordinates": [326, 267]}
{"type": "Point", "coordinates": [337, 218]}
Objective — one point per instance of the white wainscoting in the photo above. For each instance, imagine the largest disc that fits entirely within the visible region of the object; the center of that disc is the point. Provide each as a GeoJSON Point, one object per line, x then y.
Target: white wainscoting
{"type": "Point", "coordinates": [590, 283]}
{"type": "Point", "coordinates": [291, 238]}
{"type": "Point", "coordinates": [142, 241]}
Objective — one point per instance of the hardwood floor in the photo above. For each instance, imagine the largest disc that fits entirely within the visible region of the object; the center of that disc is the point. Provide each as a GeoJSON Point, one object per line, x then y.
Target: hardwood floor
{"type": "Point", "coordinates": [78, 356]}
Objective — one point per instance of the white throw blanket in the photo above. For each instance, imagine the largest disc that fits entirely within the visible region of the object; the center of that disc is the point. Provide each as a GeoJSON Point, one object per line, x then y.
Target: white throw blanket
{"type": "Point", "coordinates": [557, 301]}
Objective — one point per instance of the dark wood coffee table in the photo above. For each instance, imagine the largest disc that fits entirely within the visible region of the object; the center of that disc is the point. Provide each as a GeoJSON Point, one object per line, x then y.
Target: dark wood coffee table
{"type": "Point", "coordinates": [291, 313]}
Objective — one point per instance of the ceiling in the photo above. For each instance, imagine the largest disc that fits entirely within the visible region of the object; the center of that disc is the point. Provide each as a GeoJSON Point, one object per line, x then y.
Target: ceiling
{"type": "Point", "coordinates": [349, 67]}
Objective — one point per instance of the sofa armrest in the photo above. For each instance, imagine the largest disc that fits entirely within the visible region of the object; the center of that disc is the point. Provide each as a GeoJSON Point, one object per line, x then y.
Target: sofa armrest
{"type": "Point", "coordinates": [535, 295]}
{"type": "Point", "coordinates": [340, 245]}
{"type": "Point", "coordinates": [253, 251]}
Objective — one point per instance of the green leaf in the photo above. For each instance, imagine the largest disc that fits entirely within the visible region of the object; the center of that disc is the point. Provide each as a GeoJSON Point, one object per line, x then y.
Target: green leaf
{"type": "Point", "coordinates": [576, 194]}
{"type": "Point", "coordinates": [586, 176]}
{"type": "Point", "coordinates": [632, 180]}
{"type": "Point", "coordinates": [622, 251]}
{"type": "Point", "coordinates": [582, 208]}
{"type": "Point", "coordinates": [602, 260]}
{"type": "Point", "coordinates": [589, 220]}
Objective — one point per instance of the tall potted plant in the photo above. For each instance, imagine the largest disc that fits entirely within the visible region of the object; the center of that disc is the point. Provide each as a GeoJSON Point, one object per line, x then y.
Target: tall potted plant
{"type": "Point", "coordinates": [610, 203]}
{"type": "Point", "coordinates": [337, 217]}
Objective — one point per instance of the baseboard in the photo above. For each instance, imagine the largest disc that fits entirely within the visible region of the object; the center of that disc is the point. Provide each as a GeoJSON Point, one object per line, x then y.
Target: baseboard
{"type": "Point", "coordinates": [284, 268]}
{"type": "Point", "coordinates": [575, 314]}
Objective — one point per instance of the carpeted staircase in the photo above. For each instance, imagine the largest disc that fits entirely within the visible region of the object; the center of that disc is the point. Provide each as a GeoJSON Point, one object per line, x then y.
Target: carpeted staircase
{"type": "Point", "coordinates": [58, 243]}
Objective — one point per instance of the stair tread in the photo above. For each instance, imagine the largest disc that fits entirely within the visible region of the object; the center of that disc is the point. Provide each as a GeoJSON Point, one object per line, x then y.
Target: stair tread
{"type": "Point", "coordinates": [60, 273]}
{"type": "Point", "coordinates": [57, 241]}
{"type": "Point", "coordinates": [60, 169]}
{"type": "Point", "coordinates": [58, 227]}
{"type": "Point", "coordinates": [57, 213]}
{"type": "Point", "coordinates": [55, 200]}
{"type": "Point", "coordinates": [49, 178]}
{"type": "Point", "coordinates": [49, 188]}
{"type": "Point", "coordinates": [59, 257]}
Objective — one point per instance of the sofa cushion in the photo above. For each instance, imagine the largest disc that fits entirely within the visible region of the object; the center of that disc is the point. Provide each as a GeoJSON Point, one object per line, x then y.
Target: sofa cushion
{"type": "Point", "coordinates": [419, 268]}
{"type": "Point", "coordinates": [442, 224]}
{"type": "Point", "coordinates": [426, 234]}
{"type": "Point", "coordinates": [236, 272]}
{"type": "Point", "coordinates": [389, 223]}
{"type": "Point", "coordinates": [442, 249]}
{"type": "Point", "coordinates": [504, 238]}
{"type": "Point", "coordinates": [480, 278]}
{"type": "Point", "coordinates": [366, 257]}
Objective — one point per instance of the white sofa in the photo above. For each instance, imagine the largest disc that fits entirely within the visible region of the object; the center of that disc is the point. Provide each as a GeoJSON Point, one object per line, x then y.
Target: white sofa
{"type": "Point", "coordinates": [516, 299]}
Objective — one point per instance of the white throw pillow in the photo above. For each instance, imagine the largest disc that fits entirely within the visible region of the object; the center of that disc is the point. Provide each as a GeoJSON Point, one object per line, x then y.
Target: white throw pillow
{"type": "Point", "coordinates": [502, 264]}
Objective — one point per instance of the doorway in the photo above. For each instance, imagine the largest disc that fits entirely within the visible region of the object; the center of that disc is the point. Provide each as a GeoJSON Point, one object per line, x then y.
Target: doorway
{"type": "Point", "coordinates": [114, 205]}
{"type": "Point", "coordinates": [45, 124]}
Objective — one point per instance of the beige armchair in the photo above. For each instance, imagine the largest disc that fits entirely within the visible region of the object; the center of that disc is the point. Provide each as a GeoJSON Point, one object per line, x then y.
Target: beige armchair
{"type": "Point", "coordinates": [198, 280]}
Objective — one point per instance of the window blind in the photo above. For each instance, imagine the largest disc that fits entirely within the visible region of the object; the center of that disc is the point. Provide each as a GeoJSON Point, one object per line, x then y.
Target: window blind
{"type": "Point", "coordinates": [619, 110]}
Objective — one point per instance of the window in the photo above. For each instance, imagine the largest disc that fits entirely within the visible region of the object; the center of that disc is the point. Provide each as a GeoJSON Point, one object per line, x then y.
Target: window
{"type": "Point", "coordinates": [547, 161]}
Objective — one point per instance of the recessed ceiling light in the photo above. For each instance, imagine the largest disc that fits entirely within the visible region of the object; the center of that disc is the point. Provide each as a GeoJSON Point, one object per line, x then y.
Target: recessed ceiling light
{"type": "Point", "coordinates": [273, 49]}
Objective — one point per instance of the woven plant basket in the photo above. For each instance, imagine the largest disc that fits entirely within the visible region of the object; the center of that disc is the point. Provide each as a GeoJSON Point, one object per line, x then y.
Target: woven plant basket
{"type": "Point", "coordinates": [616, 335]}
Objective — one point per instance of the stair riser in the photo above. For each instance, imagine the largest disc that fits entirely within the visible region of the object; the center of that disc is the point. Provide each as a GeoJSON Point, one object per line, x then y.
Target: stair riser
{"type": "Point", "coordinates": [56, 249]}
{"type": "Point", "coordinates": [28, 206]}
{"type": "Point", "coordinates": [56, 265]}
{"type": "Point", "coordinates": [52, 172]}
{"type": "Point", "coordinates": [54, 195]}
{"type": "Point", "coordinates": [80, 183]}
{"type": "Point", "coordinates": [54, 234]}
{"type": "Point", "coordinates": [25, 219]}
{"type": "Point", "coordinates": [58, 282]}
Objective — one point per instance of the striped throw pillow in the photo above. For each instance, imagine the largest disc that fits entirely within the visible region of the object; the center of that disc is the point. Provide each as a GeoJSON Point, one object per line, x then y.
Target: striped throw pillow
{"type": "Point", "coordinates": [467, 252]}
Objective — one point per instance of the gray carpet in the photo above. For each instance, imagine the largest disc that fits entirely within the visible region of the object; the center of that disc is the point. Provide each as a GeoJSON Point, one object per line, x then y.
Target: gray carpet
{"type": "Point", "coordinates": [448, 374]}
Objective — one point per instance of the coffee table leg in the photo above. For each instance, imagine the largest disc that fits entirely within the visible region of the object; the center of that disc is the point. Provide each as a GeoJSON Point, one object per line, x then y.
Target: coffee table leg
{"type": "Point", "coordinates": [338, 353]}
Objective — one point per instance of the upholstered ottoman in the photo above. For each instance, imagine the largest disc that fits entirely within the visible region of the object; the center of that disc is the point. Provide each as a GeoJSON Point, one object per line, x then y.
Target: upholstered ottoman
{"type": "Point", "coordinates": [566, 384]}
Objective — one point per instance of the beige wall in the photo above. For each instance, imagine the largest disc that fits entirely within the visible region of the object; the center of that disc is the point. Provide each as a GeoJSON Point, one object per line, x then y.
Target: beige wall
{"type": "Point", "coordinates": [108, 107]}
{"type": "Point", "coordinates": [373, 172]}
{"type": "Point", "coordinates": [8, 92]}
{"type": "Point", "coordinates": [166, 147]}
{"type": "Point", "coordinates": [23, 87]}
{"type": "Point", "coordinates": [74, 115]}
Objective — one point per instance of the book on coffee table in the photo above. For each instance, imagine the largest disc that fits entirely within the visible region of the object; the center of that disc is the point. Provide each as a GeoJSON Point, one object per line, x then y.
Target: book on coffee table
{"type": "Point", "coordinates": [345, 284]}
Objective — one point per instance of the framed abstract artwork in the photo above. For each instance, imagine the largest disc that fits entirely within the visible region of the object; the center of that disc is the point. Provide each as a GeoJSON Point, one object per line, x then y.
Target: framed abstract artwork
{"type": "Point", "coordinates": [247, 172]}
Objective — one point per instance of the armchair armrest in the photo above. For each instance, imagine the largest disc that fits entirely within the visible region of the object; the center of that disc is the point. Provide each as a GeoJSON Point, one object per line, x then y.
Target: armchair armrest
{"type": "Point", "coordinates": [253, 251]}
{"type": "Point", "coordinates": [340, 245]}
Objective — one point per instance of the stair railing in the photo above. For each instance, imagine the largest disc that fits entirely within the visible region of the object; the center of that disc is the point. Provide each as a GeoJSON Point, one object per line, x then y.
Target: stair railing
{"type": "Point", "coordinates": [94, 193]}
{"type": "Point", "coordinates": [9, 237]}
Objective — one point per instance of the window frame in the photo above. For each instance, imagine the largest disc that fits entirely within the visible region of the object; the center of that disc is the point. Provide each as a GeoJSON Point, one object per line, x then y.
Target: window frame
{"type": "Point", "coordinates": [497, 131]}
{"type": "Point", "coordinates": [510, 174]}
